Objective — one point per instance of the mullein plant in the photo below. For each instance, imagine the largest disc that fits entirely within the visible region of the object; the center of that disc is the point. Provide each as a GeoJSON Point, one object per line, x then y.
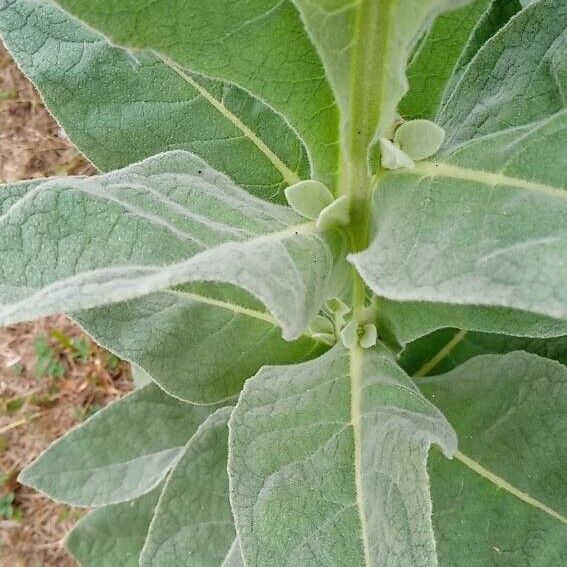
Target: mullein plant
{"type": "Point", "coordinates": [331, 238]}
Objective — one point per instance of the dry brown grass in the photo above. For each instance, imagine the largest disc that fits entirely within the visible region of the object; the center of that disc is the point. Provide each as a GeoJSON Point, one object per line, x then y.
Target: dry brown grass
{"type": "Point", "coordinates": [36, 410]}
{"type": "Point", "coordinates": [31, 143]}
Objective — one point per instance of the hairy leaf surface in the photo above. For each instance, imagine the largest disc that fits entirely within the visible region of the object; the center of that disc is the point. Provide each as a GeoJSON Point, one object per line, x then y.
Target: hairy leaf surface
{"type": "Point", "coordinates": [495, 17]}
{"type": "Point", "coordinates": [120, 453]}
{"type": "Point", "coordinates": [370, 40]}
{"type": "Point", "coordinates": [177, 335]}
{"type": "Point", "coordinates": [260, 45]}
{"type": "Point", "coordinates": [193, 520]}
{"type": "Point", "coordinates": [407, 321]}
{"type": "Point", "coordinates": [518, 77]}
{"type": "Point", "coordinates": [502, 500]}
{"type": "Point", "coordinates": [476, 240]}
{"type": "Point", "coordinates": [352, 439]}
{"type": "Point", "coordinates": [456, 228]}
{"type": "Point", "coordinates": [113, 535]}
{"type": "Point", "coordinates": [120, 106]}
{"type": "Point", "coordinates": [71, 244]}
{"type": "Point", "coordinates": [462, 230]}
{"type": "Point", "coordinates": [435, 59]}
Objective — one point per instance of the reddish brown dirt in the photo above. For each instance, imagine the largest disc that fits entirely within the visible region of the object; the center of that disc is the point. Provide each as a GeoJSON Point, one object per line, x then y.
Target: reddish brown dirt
{"type": "Point", "coordinates": [35, 410]}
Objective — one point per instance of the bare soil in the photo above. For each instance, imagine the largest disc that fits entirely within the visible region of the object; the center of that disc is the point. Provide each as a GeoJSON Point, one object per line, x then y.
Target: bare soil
{"type": "Point", "coordinates": [52, 377]}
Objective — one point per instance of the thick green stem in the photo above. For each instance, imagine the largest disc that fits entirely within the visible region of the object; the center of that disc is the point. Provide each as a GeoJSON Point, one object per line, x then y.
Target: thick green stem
{"type": "Point", "coordinates": [359, 125]}
{"type": "Point", "coordinates": [355, 181]}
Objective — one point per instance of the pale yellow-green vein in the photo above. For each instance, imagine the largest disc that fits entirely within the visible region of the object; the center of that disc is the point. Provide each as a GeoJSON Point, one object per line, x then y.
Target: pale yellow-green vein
{"type": "Point", "coordinates": [505, 485]}
{"type": "Point", "coordinates": [234, 307]}
{"type": "Point", "coordinates": [441, 355]}
{"type": "Point", "coordinates": [441, 169]}
{"type": "Point", "coordinates": [287, 173]}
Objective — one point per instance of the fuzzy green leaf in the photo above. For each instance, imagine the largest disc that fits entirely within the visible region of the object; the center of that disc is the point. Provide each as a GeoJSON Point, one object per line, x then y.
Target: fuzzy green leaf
{"type": "Point", "coordinates": [476, 241]}
{"type": "Point", "coordinates": [177, 335]}
{"type": "Point", "coordinates": [193, 520]}
{"type": "Point", "coordinates": [260, 45]}
{"type": "Point", "coordinates": [419, 139]}
{"type": "Point", "coordinates": [335, 214]}
{"type": "Point", "coordinates": [407, 321]}
{"type": "Point", "coordinates": [518, 77]}
{"type": "Point", "coordinates": [463, 230]}
{"type": "Point", "coordinates": [503, 499]}
{"type": "Point", "coordinates": [119, 107]}
{"type": "Point", "coordinates": [181, 265]}
{"type": "Point", "coordinates": [327, 463]}
{"type": "Point", "coordinates": [308, 198]}
{"type": "Point", "coordinates": [435, 59]}
{"type": "Point", "coordinates": [120, 453]}
{"type": "Point", "coordinates": [496, 16]}
{"type": "Point", "coordinates": [72, 244]}
{"type": "Point", "coordinates": [113, 535]}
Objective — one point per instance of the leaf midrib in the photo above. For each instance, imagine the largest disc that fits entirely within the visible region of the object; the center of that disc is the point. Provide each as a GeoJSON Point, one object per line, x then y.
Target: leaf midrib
{"type": "Point", "coordinates": [234, 307]}
{"type": "Point", "coordinates": [443, 353]}
{"type": "Point", "coordinates": [356, 355]}
{"type": "Point", "coordinates": [263, 316]}
{"type": "Point", "coordinates": [289, 176]}
{"type": "Point", "coordinates": [470, 463]}
{"type": "Point", "coordinates": [432, 169]}
{"type": "Point", "coordinates": [499, 482]}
